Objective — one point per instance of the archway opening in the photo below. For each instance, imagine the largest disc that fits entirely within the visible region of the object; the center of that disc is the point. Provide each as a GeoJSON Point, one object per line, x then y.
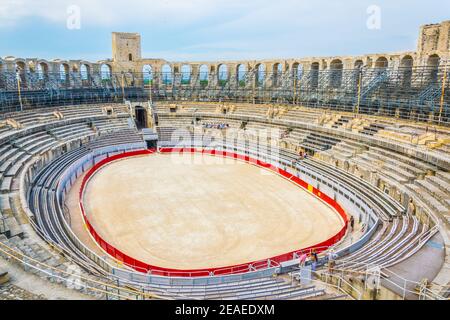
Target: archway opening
{"type": "Point", "coordinates": [105, 72]}
{"type": "Point", "coordinates": [84, 73]}
{"type": "Point", "coordinates": [64, 73]}
{"type": "Point", "coordinates": [203, 74]}
{"type": "Point", "coordinates": [42, 71]}
{"type": "Point", "coordinates": [277, 72]}
{"type": "Point", "coordinates": [314, 76]}
{"type": "Point", "coordinates": [433, 67]}
{"type": "Point", "coordinates": [147, 73]}
{"type": "Point", "coordinates": [21, 72]}
{"type": "Point", "coordinates": [185, 74]}
{"type": "Point", "coordinates": [336, 68]}
{"type": "Point", "coordinates": [166, 74]}
{"type": "Point", "coordinates": [406, 69]}
{"type": "Point", "coordinates": [260, 74]}
{"type": "Point", "coordinates": [141, 117]}
{"type": "Point", "coordinates": [223, 75]}
{"type": "Point", "coordinates": [381, 63]}
{"type": "Point", "coordinates": [241, 75]}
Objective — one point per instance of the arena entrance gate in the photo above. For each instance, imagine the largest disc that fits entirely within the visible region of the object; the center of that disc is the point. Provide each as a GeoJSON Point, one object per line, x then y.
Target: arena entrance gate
{"type": "Point", "coordinates": [141, 117]}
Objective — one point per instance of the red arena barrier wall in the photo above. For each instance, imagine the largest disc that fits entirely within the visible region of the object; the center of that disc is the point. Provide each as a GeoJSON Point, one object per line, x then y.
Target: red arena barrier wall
{"type": "Point", "coordinates": [236, 269]}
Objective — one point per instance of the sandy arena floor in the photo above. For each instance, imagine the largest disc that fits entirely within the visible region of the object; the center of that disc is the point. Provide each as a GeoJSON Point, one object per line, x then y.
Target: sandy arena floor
{"type": "Point", "coordinates": [199, 211]}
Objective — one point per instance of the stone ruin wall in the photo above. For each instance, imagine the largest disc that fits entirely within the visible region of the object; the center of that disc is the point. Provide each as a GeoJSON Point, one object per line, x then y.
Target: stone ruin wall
{"type": "Point", "coordinates": [433, 43]}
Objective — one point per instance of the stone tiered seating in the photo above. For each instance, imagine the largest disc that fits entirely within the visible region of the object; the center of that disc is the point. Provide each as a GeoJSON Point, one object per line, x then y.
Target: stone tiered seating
{"type": "Point", "coordinates": [119, 136]}
{"type": "Point", "coordinates": [396, 239]}
{"type": "Point", "coordinates": [317, 142]}
{"type": "Point", "coordinates": [71, 132]}
{"type": "Point", "coordinates": [35, 251]}
{"type": "Point", "coordinates": [35, 143]}
{"type": "Point", "coordinates": [111, 124]}
{"type": "Point", "coordinates": [433, 193]}
{"type": "Point", "coordinates": [4, 129]}
{"type": "Point", "coordinates": [302, 115]}
{"type": "Point", "coordinates": [121, 110]}
{"type": "Point", "coordinates": [373, 129]}
{"type": "Point", "coordinates": [342, 152]}
{"type": "Point", "coordinates": [81, 111]}
{"type": "Point", "coordinates": [255, 289]}
{"type": "Point", "coordinates": [33, 118]}
{"type": "Point", "coordinates": [251, 110]}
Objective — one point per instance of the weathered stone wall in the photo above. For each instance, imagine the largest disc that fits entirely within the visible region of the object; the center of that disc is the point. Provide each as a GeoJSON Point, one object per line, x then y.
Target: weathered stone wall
{"type": "Point", "coordinates": [433, 47]}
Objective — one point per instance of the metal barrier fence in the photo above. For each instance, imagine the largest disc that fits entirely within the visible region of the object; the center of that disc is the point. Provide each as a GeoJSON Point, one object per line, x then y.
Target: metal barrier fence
{"type": "Point", "coordinates": [242, 268]}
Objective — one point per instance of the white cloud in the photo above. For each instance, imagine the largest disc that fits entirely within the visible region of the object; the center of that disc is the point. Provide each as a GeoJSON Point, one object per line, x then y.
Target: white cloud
{"type": "Point", "coordinates": [223, 29]}
{"type": "Point", "coordinates": [112, 12]}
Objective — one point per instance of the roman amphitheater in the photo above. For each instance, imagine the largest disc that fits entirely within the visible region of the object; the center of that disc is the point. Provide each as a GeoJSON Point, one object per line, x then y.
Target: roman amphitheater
{"type": "Point", "coordinates": [310, 178]}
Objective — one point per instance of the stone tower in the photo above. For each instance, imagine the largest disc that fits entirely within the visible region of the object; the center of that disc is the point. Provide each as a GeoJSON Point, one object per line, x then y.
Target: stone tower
{"type": "Point", "coordinates": [126, 51]}
{"type": "Point", "coordinates": [434, 39]}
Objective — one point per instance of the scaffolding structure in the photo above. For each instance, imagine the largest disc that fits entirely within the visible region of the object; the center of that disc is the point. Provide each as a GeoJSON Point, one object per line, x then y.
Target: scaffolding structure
{"type": "Point", "coordinates": [416, 93]}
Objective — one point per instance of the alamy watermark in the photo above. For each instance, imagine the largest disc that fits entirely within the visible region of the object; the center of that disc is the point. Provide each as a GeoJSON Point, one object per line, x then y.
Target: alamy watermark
{"type": "Point", "coordinates": [374, 19]}
{"type": "Point", "coordinates": [73, 21]}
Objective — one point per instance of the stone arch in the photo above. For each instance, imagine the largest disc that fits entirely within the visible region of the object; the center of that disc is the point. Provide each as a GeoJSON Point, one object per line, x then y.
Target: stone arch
{"type": "Point", "coordinates": [381, 63]}
{"type": "Point", "coordinates": [21, 66]}
{"type": "Point", "coordinates": [277, 70]}
{"type": "Point", "coordinates": [64, 71]}
{"type": "Point", "coordinates": [260, 73]}
{"type": "Point", "coordinates": [105, 71]}
{"type": "Point", "coordinates": [433, 63]}
{"type": "Point", "coordinates": [336, 69]}
{"type": "Point", "coordinates": [186, 72]}
{"type": "Point", "coordinates": [85, 71]}
{"type": "Point", "coordinates": [406, 69]}
{"type": "Point", "coordinates": [297, 70]}
{"type": "Point", "coordinates": [203, 74]}
{"type": "Point", "coordinates": [21, 69]}
{"type": "Point", "coordinates": [147, 74]}
{"type": "Point", "coordinates": [241, 72]}
{"type": "Point", "coordinates": [358, 67]}
{"type": "Point", "coordinates": [42, 70]}
{"type": "Point", "coordinates": [31, 66]}
{"type": "Point", "coordinates": [314, 74]}
{"type": "Point", "coordinates": [166, 73]}
{"type": "Point", "coordinates": [222, 72]}
{"type": "Point", "coordinates": [359, 64]}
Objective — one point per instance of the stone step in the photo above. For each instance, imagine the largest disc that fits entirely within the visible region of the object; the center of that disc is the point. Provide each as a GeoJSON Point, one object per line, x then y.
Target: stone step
{"type": "Point", "coordinates": [434, 190]}
{"type": "Point", "coordinates": [438, 182]}
{"type": "Point", "coordinates": [443, 175]}
{"type": "Point", "coordinates": [428, 200]}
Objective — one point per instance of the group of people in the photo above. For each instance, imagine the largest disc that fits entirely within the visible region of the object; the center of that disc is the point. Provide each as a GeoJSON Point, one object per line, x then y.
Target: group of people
{"type": "Point", "coordinates": [216, 125]}
{"type": "Point", "coordinates": [331, 255]}
{"type": "Point", "coordinates": [314, 258]}
{"type": "Point", "coordinates": [302, 155]}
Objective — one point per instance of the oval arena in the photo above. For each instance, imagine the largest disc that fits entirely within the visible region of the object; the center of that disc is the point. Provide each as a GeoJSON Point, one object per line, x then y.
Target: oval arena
{"type": "Point", "coordinates": [308, 178]}
{"type": "Point", "coordinates": [197, 211]}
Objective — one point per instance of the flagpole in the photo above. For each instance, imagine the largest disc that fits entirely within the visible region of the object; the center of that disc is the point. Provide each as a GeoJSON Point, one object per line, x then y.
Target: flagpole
{"type": "Point", "coordinates": [19, 91]}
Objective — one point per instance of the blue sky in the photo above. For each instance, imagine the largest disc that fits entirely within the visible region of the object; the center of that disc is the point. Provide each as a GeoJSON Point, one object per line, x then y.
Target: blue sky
{"type": "Point", "coordinates": [214, 29]}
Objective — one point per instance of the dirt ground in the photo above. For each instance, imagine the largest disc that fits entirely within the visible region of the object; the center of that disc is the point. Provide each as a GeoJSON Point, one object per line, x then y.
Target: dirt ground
{"type": "Point", "coordinates": [200, 211]}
